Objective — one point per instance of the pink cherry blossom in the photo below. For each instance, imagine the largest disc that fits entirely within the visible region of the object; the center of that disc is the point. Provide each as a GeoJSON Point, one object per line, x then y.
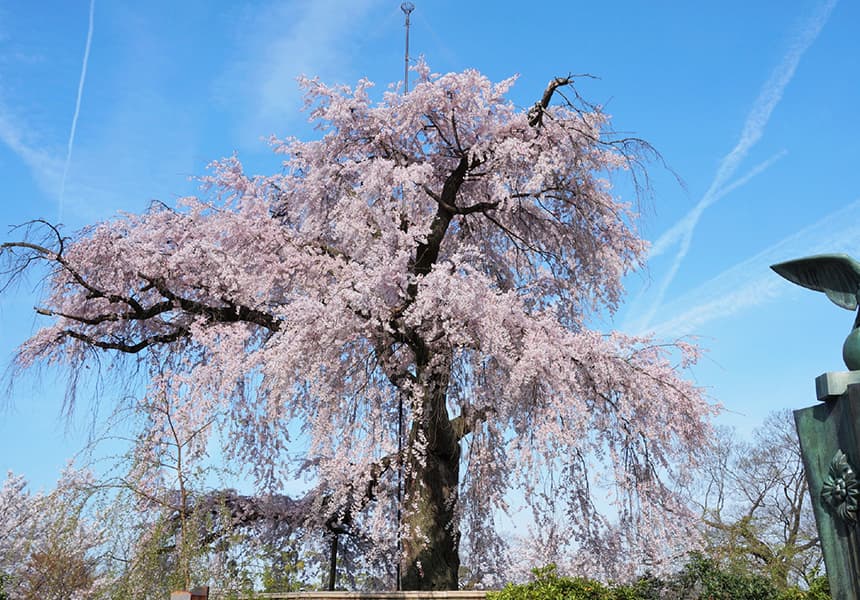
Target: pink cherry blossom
{"type": "Point", "coordinates": [443, 251]}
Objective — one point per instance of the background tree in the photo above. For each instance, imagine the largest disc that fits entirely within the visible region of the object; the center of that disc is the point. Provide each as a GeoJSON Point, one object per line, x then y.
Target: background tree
{"type": "Point", "coordinates": [172, 531]}
{"type": "Point", "coordinates": [18, 524]}
{"type": "Point", "coordinates": [438, 255]}
{"type": "Point", "coordinates": [49, 547]}
{"type": "Point", "coordinates": [756, 506]}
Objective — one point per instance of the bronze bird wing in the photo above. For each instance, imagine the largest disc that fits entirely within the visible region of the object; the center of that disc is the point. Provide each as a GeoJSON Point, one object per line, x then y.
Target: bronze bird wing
{"type": "Point", "coordinates": [837, 275]}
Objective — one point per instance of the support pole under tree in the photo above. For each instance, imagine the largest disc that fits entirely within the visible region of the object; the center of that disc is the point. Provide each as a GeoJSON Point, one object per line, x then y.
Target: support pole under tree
{"type": "Point", "coordinates": [332, 563]}
{"type": "Point", "coordinates": [829, 436]}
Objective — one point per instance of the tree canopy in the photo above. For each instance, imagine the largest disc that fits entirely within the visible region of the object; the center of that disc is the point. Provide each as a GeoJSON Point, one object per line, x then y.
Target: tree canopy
{"type": "Point", "coordinates": [755, 504]}
{"type": "Point", "coordinates": [438, 255]}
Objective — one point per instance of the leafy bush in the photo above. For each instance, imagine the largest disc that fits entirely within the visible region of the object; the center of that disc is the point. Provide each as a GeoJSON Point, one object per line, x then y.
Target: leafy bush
{"type": "Point", "coordinates": [701, 578]}
{"type": "Point", "coordinates": [549, 586]}
{"type": "Point", "coordinates": [819, 589]}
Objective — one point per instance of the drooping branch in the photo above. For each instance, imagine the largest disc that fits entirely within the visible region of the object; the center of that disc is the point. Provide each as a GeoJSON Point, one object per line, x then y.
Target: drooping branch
{"type": "Point", "coordinates": [20, 254]}
{"type": "Point", "coordinates": [233, 511]}
{"type": "Point", "coordinates": [137, 315]}
{"type": "Point", "coordinates": [128, 347]}
{"type": "Point", "coordinates": [231, 313]}
{"type": "Point", "coordinates": [40, 252]}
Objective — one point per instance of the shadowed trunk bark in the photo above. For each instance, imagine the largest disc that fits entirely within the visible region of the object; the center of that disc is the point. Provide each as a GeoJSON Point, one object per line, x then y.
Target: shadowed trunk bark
{"type": "Point", "coordinates": [431, 538]}
{"type": "Point", "coordinates": [431, 541]}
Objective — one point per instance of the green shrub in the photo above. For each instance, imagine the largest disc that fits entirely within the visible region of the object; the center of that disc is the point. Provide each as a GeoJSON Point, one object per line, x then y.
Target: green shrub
{"type": "Point", "coordinates": [547, 585]}
{"type": "Point", "coordinates": [819, 589]}
{"type": "Point", "coordinates": [701, 578]}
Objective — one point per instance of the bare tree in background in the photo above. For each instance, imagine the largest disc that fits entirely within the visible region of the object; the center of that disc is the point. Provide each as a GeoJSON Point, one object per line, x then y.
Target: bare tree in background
{"type": "Point", "coordinates": [756, 507]}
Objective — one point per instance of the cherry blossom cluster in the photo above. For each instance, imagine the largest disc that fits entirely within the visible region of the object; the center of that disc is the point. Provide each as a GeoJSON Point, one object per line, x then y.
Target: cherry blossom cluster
{"type": "Point", "coordinates": [436, 244]}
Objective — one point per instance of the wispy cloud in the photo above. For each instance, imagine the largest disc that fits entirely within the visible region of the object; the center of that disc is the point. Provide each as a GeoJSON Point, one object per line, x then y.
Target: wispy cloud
{"type": "Point", "coordinates": [754, 127]}
{"type": "Point", "coordinates": [752, 283]}
{"type": "Point", "coordinates": [318, 40]}
{"type": "Point", "coordinates": [77, 109]}
{"type": "Point", "coordinates": [43, 165]}
{"type": "Point", "coordinates": [4, 35]}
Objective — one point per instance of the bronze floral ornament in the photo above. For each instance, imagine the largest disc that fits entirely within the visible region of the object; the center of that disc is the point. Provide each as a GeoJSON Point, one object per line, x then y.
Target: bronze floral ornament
{"type": "Point", "coordinates": [841, 490]}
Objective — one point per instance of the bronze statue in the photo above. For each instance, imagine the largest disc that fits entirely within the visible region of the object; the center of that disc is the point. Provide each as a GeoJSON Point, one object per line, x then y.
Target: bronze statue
{"type": "Point", "coordinates": [838, 276]}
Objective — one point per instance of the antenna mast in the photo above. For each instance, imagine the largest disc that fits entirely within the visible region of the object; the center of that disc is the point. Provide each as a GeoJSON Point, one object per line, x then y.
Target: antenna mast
{"type": "Point", "coordinates": [407, 8]}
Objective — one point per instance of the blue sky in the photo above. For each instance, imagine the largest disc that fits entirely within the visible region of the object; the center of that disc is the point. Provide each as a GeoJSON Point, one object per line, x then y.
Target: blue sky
{"type": "Point", "coordinates": [752, 104]}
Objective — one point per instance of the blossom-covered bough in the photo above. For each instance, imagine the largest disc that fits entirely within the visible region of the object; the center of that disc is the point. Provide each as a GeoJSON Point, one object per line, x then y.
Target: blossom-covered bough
{"type": "Point", "coordinates": [440, 251]}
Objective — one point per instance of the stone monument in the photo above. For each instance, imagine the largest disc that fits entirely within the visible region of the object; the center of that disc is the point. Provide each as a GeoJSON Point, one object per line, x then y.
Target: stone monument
{"type": "Point", "coordinates": [829, 432]}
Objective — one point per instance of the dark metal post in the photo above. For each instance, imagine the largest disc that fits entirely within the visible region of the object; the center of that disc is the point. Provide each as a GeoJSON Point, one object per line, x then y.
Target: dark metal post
{"type": "Point", "coordinates": [332, 563]}
{"type": "Point", "coordinates": [399, 551]}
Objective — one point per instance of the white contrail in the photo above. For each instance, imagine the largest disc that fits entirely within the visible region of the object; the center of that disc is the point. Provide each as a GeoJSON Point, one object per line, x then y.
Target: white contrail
{"type": "Point", "coordinates": [77, 108]}
{"type": "Point", "coordinates": [757, 119]}
{"type": "Point", "coordinates": [683, 229]}
{"type": "Point", "coordinates": [680, 229]}
{"type": "Point", "coordinates": [751, 282]}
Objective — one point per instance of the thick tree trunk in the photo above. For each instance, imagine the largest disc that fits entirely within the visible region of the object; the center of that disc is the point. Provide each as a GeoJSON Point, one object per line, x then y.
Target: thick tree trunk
{"type": "Point", "coordinates": [431, 535]}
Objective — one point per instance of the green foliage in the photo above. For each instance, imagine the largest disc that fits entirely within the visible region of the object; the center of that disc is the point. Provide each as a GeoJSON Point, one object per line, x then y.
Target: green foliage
{"type": "Point", "coordinates": [285, 573]}
{"type": "Point", "coordinates": [547, 585]}
{"type": "Point", "coordinates": [701, 578]}
{"type": "Point", "coordinates": [819, 589]}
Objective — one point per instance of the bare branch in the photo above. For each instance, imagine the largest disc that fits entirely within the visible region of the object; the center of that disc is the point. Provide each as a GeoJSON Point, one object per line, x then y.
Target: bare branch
{"type": "Point", "coordinates": [536, 112]}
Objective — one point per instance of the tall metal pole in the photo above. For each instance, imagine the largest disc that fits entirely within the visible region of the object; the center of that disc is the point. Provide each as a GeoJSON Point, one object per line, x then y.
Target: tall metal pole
{"type": "Point", "coordinates": [407, 8]}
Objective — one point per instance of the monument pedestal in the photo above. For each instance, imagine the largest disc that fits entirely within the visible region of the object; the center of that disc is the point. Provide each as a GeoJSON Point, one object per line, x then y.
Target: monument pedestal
{"type": "Point", "coordinates": [829, 436]}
